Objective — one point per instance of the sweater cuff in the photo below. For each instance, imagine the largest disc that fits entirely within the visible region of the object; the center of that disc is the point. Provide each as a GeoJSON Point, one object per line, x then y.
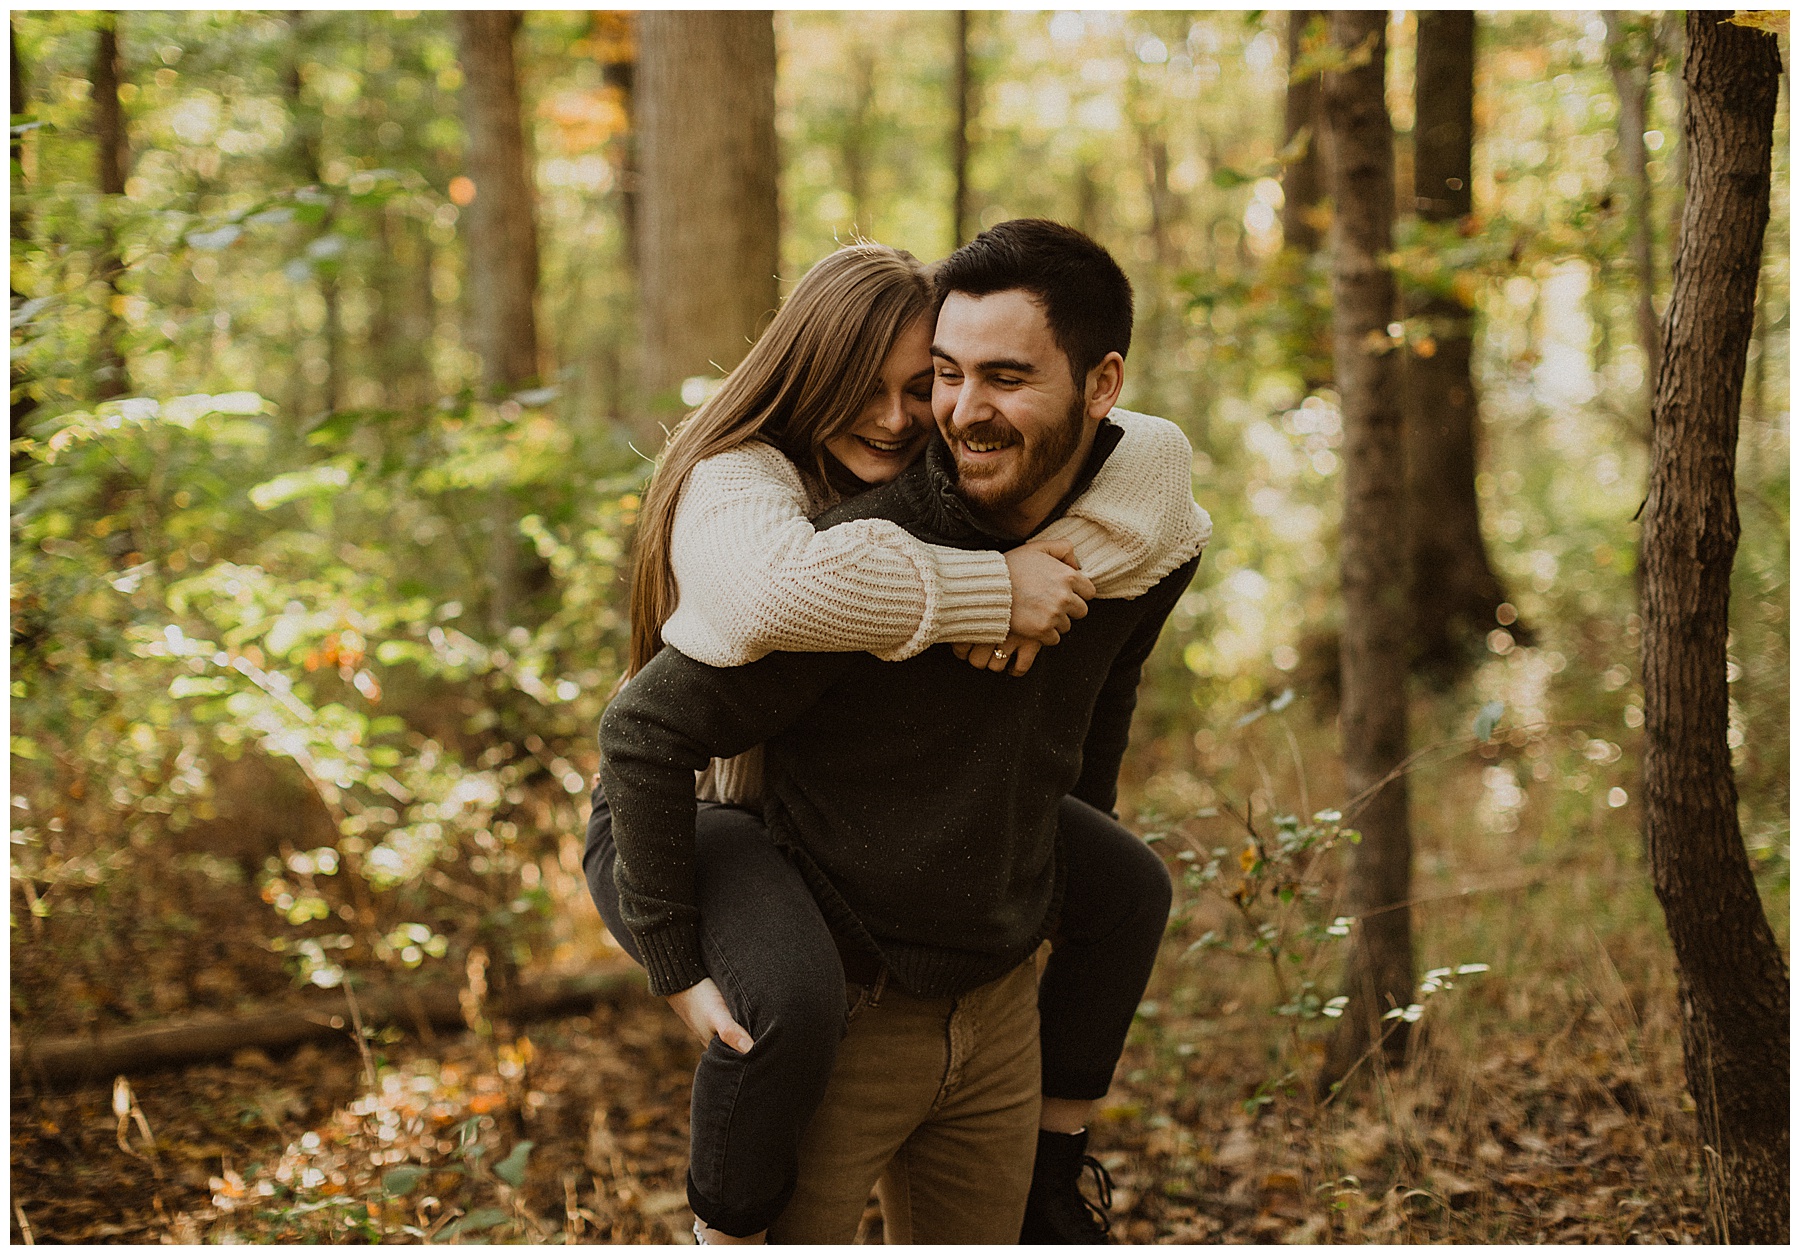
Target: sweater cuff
{"type": "Point", "coordinates": [672, 957]}
{"type": "Point", "coordinates": [974, 602]}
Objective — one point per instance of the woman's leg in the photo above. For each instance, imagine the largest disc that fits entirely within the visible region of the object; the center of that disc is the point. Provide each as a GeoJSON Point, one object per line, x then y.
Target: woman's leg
{"type": "Point", "coordinates": [774, 960]}
{"type": "Point", "coordinates": [1115, 908]}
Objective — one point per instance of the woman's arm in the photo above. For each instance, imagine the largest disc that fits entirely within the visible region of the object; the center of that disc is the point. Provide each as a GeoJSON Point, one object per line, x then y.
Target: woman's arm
{"type": "Point", "coordinates": [755, 576]}
{"type": "Point", "coordinates": [1132, 526]}
{"type": "Point", "coordinates": [1137, 521]}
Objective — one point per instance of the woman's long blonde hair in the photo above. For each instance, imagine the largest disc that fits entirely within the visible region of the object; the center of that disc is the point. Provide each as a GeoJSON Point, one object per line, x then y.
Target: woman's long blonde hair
{"type": "Point", "coordinates": [804, 381]}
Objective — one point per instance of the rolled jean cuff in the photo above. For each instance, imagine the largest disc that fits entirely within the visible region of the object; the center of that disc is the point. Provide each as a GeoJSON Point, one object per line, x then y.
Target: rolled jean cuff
{"type": "Point", "coordinates": [739, 1222]}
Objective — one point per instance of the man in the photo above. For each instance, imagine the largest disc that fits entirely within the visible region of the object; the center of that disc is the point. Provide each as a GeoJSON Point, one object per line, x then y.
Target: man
{"type": "Point", "coordinates": [920, 801]}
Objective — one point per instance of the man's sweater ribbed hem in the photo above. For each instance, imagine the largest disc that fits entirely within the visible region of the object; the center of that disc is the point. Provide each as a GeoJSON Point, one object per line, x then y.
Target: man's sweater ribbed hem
{"type": "Point", "coordinates": [671, 956]}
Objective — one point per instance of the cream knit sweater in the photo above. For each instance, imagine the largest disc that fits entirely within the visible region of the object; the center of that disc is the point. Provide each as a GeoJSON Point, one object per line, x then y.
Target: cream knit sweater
{"type": "Point", "coordinates": [754, 576]}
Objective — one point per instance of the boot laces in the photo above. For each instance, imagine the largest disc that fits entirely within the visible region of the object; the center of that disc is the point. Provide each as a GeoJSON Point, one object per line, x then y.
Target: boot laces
{"type": "Point", "coordinates": [1103, 1185]}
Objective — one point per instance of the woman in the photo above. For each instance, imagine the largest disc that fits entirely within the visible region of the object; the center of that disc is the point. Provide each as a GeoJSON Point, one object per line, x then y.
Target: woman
{"type": "Point", "coordinates": [835, 397]}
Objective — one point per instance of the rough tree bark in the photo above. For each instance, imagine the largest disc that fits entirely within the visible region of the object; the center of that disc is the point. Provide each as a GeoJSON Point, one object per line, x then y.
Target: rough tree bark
{"type": "Point", "coordinates": [503, 261]}
{"type": "Point", "coordinates": [1630, 65]}
{"type": "Point", "coordinates": [1732, 981]}
{"type": "Point", "coordinates": [1302, 190]}
{"type": "Point", "coordinates": [708, 212]}
{"type": "Point", "coordinates": [963, 86]}
{"type": "Point", "coordinates": [1455, 593]}
{"type": "Point", "coordinates": [111, 159]}
{"type": "Point", "coordinates": [1359, 160]}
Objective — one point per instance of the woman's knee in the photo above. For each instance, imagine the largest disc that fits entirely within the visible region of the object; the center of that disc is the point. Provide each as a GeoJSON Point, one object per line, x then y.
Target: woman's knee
{"type": "Point", "coordinates": [1114, 862]}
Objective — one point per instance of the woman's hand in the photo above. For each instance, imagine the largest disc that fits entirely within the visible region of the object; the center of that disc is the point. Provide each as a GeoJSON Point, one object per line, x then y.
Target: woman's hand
{"type": "Point", "coordinates": [1048, 591]}
{"type": "Point", "coordinates": [1013, 655]}
{"type": "Point", "coordinates": [702, 1008]}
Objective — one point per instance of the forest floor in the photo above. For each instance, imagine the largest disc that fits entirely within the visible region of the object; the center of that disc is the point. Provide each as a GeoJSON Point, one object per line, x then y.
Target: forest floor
{"type": "Point", "coordinates": [1544, 1100]}
{"type": "Point", "coordinates": [1540, 1109]}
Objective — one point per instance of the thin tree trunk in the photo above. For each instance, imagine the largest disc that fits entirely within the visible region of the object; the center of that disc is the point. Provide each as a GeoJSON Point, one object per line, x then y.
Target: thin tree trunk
{"type": "Point", "coordinates": [1372, 655]}
{"type": "Point", "coordinates": [859, 137]}
{"type": "Point", "coordinates": [1630, 69]}
{"type": "Point", "coordinates": [23, 403]}
{"type": "Point", "coordinates": [1455, 591]}
{"type": "Point", "coordinates": [111, 158]}
{"type": "Point", "coordinates": [21, 217]}
{"type": "Point", "coordinates": [710, 219]}
{"type": "Point", "coordinates": [615, 33]}
{"type": "Point", "coordinates": [1732, 979]}
{"type": "Point", "coordinates": [1304, 209]}
{"type": "Point", "coordinates": [963, 88]}
{"type": "Point", "coordinates": [1302, 190]}
{"type": "Point", "coordinates": [308, 143]}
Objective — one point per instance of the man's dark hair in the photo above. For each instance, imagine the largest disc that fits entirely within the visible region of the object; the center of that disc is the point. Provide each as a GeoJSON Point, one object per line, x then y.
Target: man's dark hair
{"type": "Point", "coordinates": [1085, 297]}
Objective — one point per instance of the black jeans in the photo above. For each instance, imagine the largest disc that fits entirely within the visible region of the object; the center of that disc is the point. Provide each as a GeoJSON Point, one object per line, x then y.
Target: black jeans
{"type": "Point", "coordinates": [776, 964]}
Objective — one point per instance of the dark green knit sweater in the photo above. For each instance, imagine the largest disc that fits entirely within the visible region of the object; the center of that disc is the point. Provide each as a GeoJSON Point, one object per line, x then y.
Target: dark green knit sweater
{"type": "Point", "coordinates": [918, 798]}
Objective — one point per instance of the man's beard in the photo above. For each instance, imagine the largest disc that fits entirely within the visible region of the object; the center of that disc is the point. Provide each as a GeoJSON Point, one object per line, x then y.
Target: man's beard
{"type": "Point", "coordinates": [992, 493]}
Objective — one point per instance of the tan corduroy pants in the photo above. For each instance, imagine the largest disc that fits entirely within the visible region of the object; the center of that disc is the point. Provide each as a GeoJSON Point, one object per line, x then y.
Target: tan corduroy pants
{"type": "Point", "coordinates": [935, 1102]}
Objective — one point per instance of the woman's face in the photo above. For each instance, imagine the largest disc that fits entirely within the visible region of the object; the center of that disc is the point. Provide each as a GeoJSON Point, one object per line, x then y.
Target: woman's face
{"type": "Point", "coordinates": [895, 422]}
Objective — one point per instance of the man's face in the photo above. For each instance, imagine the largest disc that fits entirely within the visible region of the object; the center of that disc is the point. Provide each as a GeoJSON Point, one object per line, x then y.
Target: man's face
{"type": "Point", "coordinates": [1005, 403]}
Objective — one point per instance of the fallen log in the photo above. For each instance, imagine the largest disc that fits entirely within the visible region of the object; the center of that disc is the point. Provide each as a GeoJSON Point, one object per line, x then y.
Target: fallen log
{"type": "Point", "coordinates": [64, 1062]}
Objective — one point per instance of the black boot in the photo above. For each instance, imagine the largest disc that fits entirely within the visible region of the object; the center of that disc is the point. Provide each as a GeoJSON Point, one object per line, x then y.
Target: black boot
{"type": "Point", "coordinates": [1056, 1211]}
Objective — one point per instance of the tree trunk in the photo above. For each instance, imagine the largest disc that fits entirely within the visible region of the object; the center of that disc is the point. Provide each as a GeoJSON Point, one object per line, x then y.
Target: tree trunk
{"type": "Point", "coordinates": [706, 94]}
{"type": "Point", "coordinates": [963, 87]}
{"type": "Point", "coordinates": [1372, 652]}
{"type": "Point", "coordinates": [1630, 65]}
{"type": "Point", "coordinates": [1732, 980]}
{"type": "Point", "coordinates": [503, 262]}
{"type": "Point", "coordinates": [1302, 190]}
{"type": "Point", "coordinates": [23, 403]}
{"type": "Point", "coordinates": [307, 145]}
{"type": "Point", "coordinates": [111, 158]}
{"type": "Point", "coordinates": [1455, 591]}
{"type": "Point", "coordinates": [614, 33]}
{"type": "Point", "coordinates": [1304, 209]}
{"type": "Point", "coordinates": [858, 147]}
{"type": "Point", "coordinates": [502, 228]}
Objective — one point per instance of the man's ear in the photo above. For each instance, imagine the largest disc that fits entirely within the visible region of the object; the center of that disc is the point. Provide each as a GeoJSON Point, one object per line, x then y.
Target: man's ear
{"type": "Point", "coordinates": [1104, 383]}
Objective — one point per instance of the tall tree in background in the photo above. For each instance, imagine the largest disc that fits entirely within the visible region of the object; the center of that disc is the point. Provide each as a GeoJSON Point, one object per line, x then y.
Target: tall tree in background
{"type": "Point", "coordinates": [1455, 591]}
{"type": "Point", "coordinates": [112, 155]}
{"type": "Point", "coordinates": [962, 88]}
{"type": "Point", "coordinates": [1303, 199]}
{"type": "Point", "coordinates": [857, 148]}
{"type": "Point", "coordinates": [307, 148]}
{"type": "Point", "coordinates": [1631, 48]}
{"type": "Point", "coordinates": [1302, 189]}
{"type": "Point", "coordinates": [503, 257]}
{"type": "Point", "coordinates": [22, 401]}
{"type": "Point", "coordinates": [1359, 160]}
{"type": "Point", "coordinates": [502, 221]}
{"type": "Point", "coordinates": [613, 32]}
{"type": "Point", "coordinates": [708, 211]}
{"type": "Point", "coordinates": [1733, 983]}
